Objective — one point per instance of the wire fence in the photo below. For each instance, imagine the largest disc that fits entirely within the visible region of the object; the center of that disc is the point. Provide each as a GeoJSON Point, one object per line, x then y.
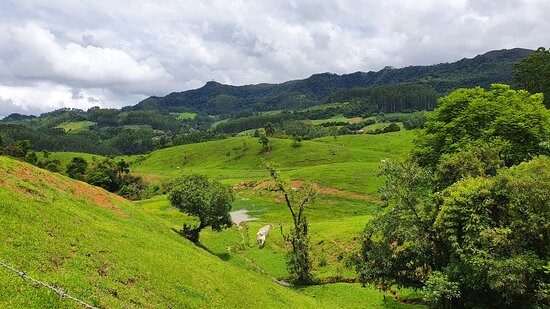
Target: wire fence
{"type": "Point", "coordinates": [60, 292]}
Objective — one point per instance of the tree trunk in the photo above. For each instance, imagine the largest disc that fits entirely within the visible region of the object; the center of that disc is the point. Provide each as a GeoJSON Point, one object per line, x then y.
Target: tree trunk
{"type": "Point", "coordinates": [192, 234]}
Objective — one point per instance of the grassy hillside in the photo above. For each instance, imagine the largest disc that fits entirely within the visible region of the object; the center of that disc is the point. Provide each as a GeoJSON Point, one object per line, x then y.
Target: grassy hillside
{"type": "Point", "coordinates": [113, 253]}
{"type": "Point", "coordinates": [66, 157]}
{"type": "Point", "coordinates": [76, 126]}
{"type": "Point", "coordinates": [344, 169]}
{"type": "Point", "coordinates": [109, 252]}
{"type": "Point", "coordinates": [347, 163]}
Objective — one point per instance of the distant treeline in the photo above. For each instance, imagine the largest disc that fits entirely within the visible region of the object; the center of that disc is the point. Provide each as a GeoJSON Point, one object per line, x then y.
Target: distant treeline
{"type": "Point", "coordinates": [390, 99]}
{"type": "Point", "coordinates": [111, 131]}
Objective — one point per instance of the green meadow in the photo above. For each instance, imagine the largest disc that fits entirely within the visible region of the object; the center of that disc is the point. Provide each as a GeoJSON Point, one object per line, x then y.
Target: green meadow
{"type": "Point", "coordinates": [113, 253]}
{"type": "Point", "coordinates": [76, 126]}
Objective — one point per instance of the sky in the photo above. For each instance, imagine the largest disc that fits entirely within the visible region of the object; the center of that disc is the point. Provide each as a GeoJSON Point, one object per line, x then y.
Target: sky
{"type": "Point", "coordinates": [62, 53]}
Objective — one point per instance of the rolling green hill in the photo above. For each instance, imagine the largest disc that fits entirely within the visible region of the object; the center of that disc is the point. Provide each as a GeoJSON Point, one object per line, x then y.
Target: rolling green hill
{"type": "Point", "coordinates": [109, 252]}
{"type": "Point", "coordinates": [76, 126]}
{"type": "Point", "coordinates": [112, 253]}
{"type": "Point", "coordinates": [347, 162]}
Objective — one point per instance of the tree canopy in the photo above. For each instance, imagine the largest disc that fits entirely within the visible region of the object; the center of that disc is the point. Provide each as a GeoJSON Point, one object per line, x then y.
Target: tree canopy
{"type": "Point", "coordinates": [533, 73]}
{"type": "Point", "coordinates": [515, 120]}
{"type": "Point", "coordinates": [467, 217]}
{"type": "Point", "coordinates": [198, 196]}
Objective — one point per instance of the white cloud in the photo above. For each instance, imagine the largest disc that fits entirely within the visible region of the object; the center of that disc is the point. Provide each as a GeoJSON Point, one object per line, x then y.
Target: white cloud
{"type": "Point", "coordinates": [119, 52]}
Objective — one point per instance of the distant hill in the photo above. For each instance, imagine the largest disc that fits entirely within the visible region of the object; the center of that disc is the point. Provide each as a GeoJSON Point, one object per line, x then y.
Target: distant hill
{"type": "Point", "coordinates": [215, 98]}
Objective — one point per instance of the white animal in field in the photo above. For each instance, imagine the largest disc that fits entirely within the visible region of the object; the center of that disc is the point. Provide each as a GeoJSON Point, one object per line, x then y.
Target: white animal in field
{"type": "Point", "coordinates": [262, 234]}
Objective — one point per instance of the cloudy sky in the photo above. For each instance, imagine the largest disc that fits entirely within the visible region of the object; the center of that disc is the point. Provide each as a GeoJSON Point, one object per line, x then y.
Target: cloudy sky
{"type": "Point", "coordinates": [62, 53]}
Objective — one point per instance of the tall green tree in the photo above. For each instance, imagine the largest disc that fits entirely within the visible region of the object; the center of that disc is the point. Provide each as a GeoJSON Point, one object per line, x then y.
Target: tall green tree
{"type": "Point", "coordinates": [206, 199]}
{"type": "Point", "coordinates": [269, 129]}
{"type": "Point", "coordinates": [517, 121]}
{"type": "Point", "coordinates": [533, 73]}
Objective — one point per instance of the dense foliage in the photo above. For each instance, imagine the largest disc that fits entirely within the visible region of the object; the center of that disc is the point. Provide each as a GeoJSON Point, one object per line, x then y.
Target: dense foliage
{"type": "Point", "coordinates": [389, 99]}
{"type": "Point", "coordinates": [470, 225]}
{"type": "Point", "coordinates": [106, 131]}
{"type": "Point", "coordinates": [515, 121]}
{"type": "Point", "coordinates": [533, 73]}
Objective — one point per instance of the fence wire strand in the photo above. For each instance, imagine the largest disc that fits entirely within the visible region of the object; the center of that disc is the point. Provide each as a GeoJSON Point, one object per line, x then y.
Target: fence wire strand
{"type": "Point", "coordinates": [60, 292]}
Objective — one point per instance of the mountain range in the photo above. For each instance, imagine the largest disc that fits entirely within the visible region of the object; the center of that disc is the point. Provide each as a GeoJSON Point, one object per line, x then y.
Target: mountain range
{"type": "Point", "coordinates": [216, 98]}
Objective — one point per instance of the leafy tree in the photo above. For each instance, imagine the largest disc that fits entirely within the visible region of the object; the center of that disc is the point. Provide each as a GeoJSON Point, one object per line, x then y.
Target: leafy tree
{"type": "Point", "coordinates": [397, 247]}
{"type": "Point", "coordinates": [269, 129]}
{"type": "Point", "coordinates": [264, 141]}
{"type": "Point", "coordinates": [104, 174]}
{"type": "Point", "coordinates": [132, 187]}
{"type": "Point", "coordinates": [77, 168]}
{"type": "Point", "coordinates": [53, 165]}
{"type": "Point", "coordinates": [198, 196]}
{"type": "Point", "coordinates": [533, 73]}
{"type": "Point", "coordinates": [23, 146]}
{"type": "Point", "coordinates": [1, 141]}
{"type": "Point", "coordinates": [31, 158]}
{"type": "Point", "coordinates": [515, 119]}
{"type": "Point", "coordinates": [497, 235]}
{"type": "Point", "coordinates": [415, 121]}
{"type": "Point", "coordinates": [298, 260]}
{"type": "Point", "coordinates": [479, 160]}
{"type": "Point", "coordinates": [482, 241]}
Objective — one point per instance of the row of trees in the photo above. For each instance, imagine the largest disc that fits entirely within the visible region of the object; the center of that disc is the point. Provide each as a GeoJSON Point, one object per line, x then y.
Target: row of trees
{"type": "Point", "coordinates": [389, 99]}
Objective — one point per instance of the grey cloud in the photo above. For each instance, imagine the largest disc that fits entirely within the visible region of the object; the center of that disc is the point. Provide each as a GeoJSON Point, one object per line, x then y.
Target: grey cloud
{"type": "Point", "coordinates": [115, 53]}
{"type": "Point", "coordinates": [7, 107]}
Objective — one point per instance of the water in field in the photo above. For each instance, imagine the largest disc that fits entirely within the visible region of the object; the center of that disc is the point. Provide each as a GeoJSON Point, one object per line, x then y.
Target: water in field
{"type": "Point", "coordinates": [242, 215]}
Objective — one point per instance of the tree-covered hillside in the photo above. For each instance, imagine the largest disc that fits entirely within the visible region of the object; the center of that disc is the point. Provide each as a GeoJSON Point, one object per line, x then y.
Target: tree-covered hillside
{"type": "Point", "coordinates": [215, 98]}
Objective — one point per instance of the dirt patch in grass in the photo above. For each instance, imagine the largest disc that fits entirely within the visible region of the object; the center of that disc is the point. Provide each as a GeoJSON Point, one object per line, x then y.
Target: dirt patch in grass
{"type": "Point", "coordinates": [349, 194]}
{"type": "Point", "coordinates": [82, 191]}
{"type": "Point", "coordinates": [24, 172]}
{"type": "Point", "coordinates": [262, 185]}
{"type": "Point", "coordinates": [296, 184]}
{"type": "Point", "coordinates": [244, 185]}
{"type": "Point", "coordinates": [99, 197]}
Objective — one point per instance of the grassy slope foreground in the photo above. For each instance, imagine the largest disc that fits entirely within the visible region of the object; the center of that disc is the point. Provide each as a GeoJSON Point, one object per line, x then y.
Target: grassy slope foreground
{"type": "Point", "coordinates": [112, 254]}
{"type": "Point", "coordinates": [109, 252]}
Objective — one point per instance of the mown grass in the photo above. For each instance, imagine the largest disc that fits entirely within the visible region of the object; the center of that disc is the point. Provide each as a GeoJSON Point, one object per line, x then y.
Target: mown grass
{"type": "Point", "coordinates": [187, 115]}
{"type": "Point", "coordinates": [76, 126]}
{"type": "Point", "coordinates": [337, 118]}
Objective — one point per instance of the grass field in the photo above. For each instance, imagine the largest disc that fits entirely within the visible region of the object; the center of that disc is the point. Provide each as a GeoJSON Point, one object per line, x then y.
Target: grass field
{"type": "Point", "coordinates": [344, 169]}
{"type": "Point", "coordinates": [113, 253]}
{"type": "Point", "coordinates": [324, 106]}
{"type": "Point", "coordinates": [379, 125]}
{"type": "Point", "coordinates": [187, 116]}
{"type": "Point", "coordinates": [66, 157]}
{"type": "Point", "coordinates": [348, 162]}
{"type": "Point", "coordinates": [76, 126]}
{"type": "Point", "coordinates": [337, 118]}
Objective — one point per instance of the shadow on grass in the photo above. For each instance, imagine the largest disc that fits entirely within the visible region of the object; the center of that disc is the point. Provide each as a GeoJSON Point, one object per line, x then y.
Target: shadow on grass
{"type": "Point", "coordinates": [225, 256]}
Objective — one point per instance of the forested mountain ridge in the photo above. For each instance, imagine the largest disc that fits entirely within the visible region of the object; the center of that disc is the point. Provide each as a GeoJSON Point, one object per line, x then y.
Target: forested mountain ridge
{"type": "Point", "coordinates": [215, 98]}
